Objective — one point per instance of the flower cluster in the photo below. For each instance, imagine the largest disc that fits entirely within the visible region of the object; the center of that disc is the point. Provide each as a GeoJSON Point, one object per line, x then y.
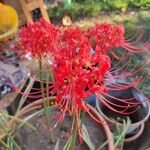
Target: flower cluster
{"type": "Point", "coordinates": [80, 61]}
{"type": "Point", "coordinates": [79, 73]}
{"type": "Point", "coordinates": [38, 38]}
{"type": "Point", "coordinates": [106, 36]}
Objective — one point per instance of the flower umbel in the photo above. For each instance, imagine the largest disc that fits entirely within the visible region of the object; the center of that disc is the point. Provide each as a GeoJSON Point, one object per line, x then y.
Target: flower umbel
{"type": "Point", "coordinates": [106, 36]}
{"type": "Point", "coordinates": [77, 74]}
{"type": "Point", "coordinates": [38, 38]}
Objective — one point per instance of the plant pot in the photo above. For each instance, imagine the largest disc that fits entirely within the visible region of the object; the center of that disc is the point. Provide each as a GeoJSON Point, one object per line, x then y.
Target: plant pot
{"type": "Point", "coordinates": [137, 118]}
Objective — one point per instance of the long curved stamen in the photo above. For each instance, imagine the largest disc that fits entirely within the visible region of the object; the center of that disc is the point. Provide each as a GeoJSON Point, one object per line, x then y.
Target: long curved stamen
{"type": "Point", "coordinates": [115, 69]}
{"type": "Point", "coordinates": [113, 109]}
{"type": "Point", "coordinates": [130, 73]}
{"type": "Point", "coordinates": [94, 118]}
{"type": "Point", "coordinates": [138, 38]}
{"type": "Point", "coordinates": [118, 105]}
{"type": "Point", "coordinates": [136, 49]}
{"type": "Point", "coordinates": [125, 100]}
{"type": "Point", "coordinates": [120, 58]}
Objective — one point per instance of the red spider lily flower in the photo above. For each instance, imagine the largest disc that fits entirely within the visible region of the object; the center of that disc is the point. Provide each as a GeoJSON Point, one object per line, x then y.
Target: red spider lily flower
{"type": "Point", "coordinates": [77, 75]}
{"type": "Point", "coordinates": [38, 38]}
{"type": "Point", "coordinates": [106, 36]}
{"type": "Point", "coordinates": [83, 68]}
{"type": "Point", "coordinates": [72, 36]}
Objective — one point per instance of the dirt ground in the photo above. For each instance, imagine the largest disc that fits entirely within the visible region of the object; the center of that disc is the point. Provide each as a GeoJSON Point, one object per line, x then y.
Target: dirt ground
{"type": "Point", "coordinates": [40, 140]}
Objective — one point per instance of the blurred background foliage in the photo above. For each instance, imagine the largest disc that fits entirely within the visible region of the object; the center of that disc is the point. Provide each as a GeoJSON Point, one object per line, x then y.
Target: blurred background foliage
{"type": "Point", "coordinates": [91, 8]}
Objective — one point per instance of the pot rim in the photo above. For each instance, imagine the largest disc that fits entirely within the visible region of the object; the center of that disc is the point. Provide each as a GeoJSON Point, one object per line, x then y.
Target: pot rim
{"type": "Point", "coordinates": [118, 123]}
{"type": "Point", "coordinates": [137, 135]}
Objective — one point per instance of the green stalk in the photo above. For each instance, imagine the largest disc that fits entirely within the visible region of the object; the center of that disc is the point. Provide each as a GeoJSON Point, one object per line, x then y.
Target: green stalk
{"type": "Point", "coordinates": [42, 87]}
{"type": "Point", "coordinates": [74, 136]}
{"type": "Point", "coordinates": [75, 130]}
{"type": "Point", "coordinates": [82, 117]}
{"type": "Point", "coordinates": [47, 79]}
{"type": "Point", "coordinates": [51, 136]}
{"type": "Point", "coordinates": [41, 79]}
{"type": "Point", "coordinates": [46, 102]}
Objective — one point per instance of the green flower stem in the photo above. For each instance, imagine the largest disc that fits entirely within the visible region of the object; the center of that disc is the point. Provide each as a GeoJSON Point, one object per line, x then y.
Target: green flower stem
{"type": "Point", "coordinates": [82, 117]}
{"type": "Point", "coordinates": [75, 131]}
{"type": "Point", "coordinates": [74, 136]}
{"type": "Point", "coordinates": [47, 79]}
{"type": "Point", "coordinates": [41, 79]}
{"type": "Point", "coordinates": [51, 136]}
{"type": "Point", "coordinates": [46, 101]}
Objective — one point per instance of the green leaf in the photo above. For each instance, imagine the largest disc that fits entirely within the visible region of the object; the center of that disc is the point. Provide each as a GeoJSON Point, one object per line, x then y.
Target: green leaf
{"type": "Point", "coordinates": [31, 116]}
{"type": "Point", "coordinates": [119, 134]}
{"type": "Point", "coordinates": [13, 144]}
{"type": "Point", "coordinates": [27, 90]}
{"type": "Point", "coordinates": [68, 144]}
{"type": "Point", "coordinates": [22, 121]}
{"type": "Point", "coordinates": [103, 145]}
{"type": "Point", "coordinates": [4, 144]}
{"type": "Point", "coordinates": [3, 119]}
{"type": "Point", "coordinates": [86, 138]}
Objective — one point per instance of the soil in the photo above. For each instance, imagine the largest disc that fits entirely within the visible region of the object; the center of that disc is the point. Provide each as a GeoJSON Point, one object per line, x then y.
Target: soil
{"type": "Point", "coordinates": [40, 139]}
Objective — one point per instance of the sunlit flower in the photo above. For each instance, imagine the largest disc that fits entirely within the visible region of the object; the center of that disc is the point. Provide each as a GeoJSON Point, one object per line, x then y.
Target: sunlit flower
{"type": "Point", "coordinates": [77, 73]}
{"type": "Point", "coordinates": [107, 36]}
{"type": "Point", "coordinates": [38, 38]}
